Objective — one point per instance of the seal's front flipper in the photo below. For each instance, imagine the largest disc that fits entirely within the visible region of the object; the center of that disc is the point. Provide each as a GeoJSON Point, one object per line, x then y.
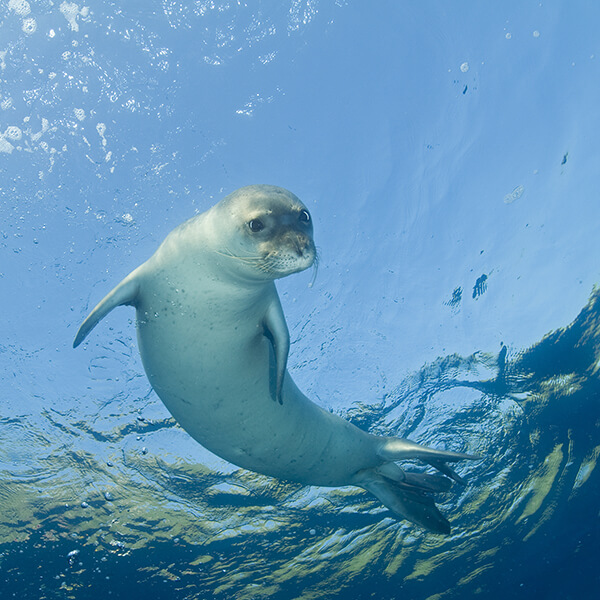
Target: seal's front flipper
{"type": "Point", "coordinates": [277, 332]}
{"type": "Point", "coordinates": [125, 293]}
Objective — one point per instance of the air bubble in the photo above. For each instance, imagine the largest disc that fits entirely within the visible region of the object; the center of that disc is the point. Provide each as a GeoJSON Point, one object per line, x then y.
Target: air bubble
{"type": "Point", "coordinates": [5, 146]}
{"type": "Point", "coordinates": [21, 7]}
{"type": "Point", "coordinates": [13, 133]}
{"type": "Point", "coordinates": [514, 195]}
{"type": "Point", "coordinates": [29, 26]}
{"type": "Point", "coordinates": [70, 11]}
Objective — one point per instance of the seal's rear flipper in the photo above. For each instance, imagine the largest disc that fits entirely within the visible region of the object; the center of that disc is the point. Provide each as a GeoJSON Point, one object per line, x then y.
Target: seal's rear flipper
{"type": "Point", "coordinates": [125, 293]}
{"type": "Point", "coordinates": [393, 449]}
{"type": "Point", "coordinates": [409, 502]}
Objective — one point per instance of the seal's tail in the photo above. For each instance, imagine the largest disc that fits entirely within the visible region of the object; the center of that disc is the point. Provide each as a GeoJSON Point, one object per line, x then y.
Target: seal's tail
{"type": "Point", "coordinates": [409, 495]}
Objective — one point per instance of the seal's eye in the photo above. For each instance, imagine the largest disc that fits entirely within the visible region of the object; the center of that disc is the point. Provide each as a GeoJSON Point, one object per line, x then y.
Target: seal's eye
{"type": "Point", "coordinates": [256, 225]}
{"type": "Point", "coordinates": [304, 216]}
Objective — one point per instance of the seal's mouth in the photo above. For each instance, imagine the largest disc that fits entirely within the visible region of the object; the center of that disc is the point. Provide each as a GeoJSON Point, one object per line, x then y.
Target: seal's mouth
{"type": "Point", "coordinates": [286, 261]}
{"type": "Point", "coordinates": [286, 264]}
{"type": "Point", "coordinates": [290, 252]}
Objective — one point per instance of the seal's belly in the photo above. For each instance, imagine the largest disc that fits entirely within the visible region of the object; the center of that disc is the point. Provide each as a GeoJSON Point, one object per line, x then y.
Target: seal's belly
{"type": "Point", "coordinates": [218, 388]}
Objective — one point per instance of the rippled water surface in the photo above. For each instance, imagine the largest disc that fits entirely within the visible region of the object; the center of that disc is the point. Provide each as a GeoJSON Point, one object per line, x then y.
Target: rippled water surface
{"type": "Point", "coordinates": [448, 154]}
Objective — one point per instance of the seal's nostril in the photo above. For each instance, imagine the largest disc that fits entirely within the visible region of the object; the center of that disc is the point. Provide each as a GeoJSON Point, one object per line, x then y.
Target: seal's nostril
{"type": "Point", "coordinates": [301, 244]}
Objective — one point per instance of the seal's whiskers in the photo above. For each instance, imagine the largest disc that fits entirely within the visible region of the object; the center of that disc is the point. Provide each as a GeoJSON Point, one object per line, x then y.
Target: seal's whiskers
{"type": "Point", "coordinates": [246, 259]}
{"type": "Point", "coordinates": [315, 266]}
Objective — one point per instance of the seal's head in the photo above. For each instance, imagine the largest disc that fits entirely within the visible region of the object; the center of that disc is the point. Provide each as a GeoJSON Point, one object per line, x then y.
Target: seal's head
{"type": "Point", "coordinates": [269, 231]}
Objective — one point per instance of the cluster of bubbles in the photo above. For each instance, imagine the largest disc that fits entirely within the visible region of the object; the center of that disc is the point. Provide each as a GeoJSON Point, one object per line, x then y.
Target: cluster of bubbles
{"type": "Point", "coordinates": [22, 9]}
{"type": "Point", "coordinates": [70, 10]}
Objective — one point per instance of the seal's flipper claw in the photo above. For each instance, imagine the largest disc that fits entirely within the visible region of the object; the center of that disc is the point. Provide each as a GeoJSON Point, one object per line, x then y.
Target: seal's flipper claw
{"type": "Point", "coordinates": [442, 467]}
{"type": "Point", "coordinates": [277, 332]}
{"type": "Point", "coordinates": [125, 293]}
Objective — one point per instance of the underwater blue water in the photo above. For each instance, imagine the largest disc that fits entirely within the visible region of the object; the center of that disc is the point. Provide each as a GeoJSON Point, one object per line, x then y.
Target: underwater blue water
{"type": "Point", "coordinates": [448, 154]}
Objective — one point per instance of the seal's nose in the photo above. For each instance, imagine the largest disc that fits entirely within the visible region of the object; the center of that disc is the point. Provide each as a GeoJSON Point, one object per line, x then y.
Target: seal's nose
{"type": "Point", "coordinates": [297, 241]}
{"type": "Point", "coordinates": [300, 245]}
{"type": "Point", "coordinates": [303, 244]}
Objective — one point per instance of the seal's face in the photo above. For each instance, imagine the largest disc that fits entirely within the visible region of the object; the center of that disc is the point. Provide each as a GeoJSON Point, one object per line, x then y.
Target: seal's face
{"type": "Point", "coordinates": [270, 231]}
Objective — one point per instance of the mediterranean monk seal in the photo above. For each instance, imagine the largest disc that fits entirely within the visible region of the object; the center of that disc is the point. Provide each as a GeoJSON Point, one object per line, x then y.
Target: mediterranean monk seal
{"type": "Point", "coordinates": [214, 344]}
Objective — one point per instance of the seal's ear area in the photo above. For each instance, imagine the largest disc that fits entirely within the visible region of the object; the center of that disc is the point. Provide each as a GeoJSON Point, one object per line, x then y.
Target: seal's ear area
{"type": "Point", "coordinates": [277, 332]}
{"type": "Point", "coordinates": [125, 293]}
